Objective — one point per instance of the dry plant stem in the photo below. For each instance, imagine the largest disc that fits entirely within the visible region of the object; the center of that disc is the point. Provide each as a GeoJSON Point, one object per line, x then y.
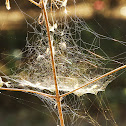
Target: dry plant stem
{"type": "Point", "coordinates": [113, 71]}
{"type": "Point", "coordinates": [35, 3]}
{"type": "Point", "coordinates": [58, 99]}
{"type": "Point", "coordinates": [55, 4]}
{"type": "Point", "coordinates": [30, 91]}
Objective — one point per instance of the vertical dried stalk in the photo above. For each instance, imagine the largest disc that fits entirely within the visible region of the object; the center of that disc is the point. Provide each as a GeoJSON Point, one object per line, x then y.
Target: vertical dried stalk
{"type": "Point", "coordinates": [58, 99]}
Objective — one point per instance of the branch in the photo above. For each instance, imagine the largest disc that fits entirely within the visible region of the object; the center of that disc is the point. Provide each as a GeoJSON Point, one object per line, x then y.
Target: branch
{"type": "Point", "coordinates": [113, 71]}
{"type": "Point", "coordinates": [29, 91]}
{"type": "Point", "coordinates": [37, 4]}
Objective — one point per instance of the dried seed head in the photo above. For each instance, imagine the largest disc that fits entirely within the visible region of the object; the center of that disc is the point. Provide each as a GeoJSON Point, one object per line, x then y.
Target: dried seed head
{"type": "Point", "coordinates": [1, 82]}
{"type": "Point", "coordinates": [63, 45]}
{"type": "Point", "coordinates": [8, 5]}
{"type": "Point", "coordinates": [52, 28]}
{"type": "Point", "coordinates": [64, 3]}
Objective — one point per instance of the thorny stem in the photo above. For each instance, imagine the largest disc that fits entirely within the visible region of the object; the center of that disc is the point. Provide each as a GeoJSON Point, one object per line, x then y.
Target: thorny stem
{"type": "Point", "coordinates": [58, 99]}
{"type": "Point", "coordinates": [104, 75]}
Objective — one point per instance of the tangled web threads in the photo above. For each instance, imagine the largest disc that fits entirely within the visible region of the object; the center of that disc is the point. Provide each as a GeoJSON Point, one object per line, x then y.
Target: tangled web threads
{"type": "Point", "coordinates": [75, 60]}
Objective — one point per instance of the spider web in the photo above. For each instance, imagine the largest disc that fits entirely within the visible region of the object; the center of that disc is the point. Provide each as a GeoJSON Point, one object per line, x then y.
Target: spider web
{"type": "Point", "coordinates": [78, 60]}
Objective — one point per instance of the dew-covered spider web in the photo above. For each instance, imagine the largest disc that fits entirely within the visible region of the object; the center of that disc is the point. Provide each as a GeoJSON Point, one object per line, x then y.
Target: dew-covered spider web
{"type": "Point", "coordinates": [80, 57]}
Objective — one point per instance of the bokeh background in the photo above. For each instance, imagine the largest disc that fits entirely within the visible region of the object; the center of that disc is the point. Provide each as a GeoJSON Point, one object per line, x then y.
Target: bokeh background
{"type": "Point", "coordinates": [107, 17]}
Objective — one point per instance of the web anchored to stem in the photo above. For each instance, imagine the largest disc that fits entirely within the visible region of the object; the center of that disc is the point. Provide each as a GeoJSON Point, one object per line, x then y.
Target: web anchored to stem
{"type": "Point", "coordinates": [64, 63]}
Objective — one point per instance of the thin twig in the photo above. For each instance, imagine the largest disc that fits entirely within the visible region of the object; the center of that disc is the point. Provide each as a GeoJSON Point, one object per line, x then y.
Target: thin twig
{"type": "Point", "coordinates": [35, 3]}
{"type": "Point", "coordinates": [113, 71]}
{"type": "Point", "coordinates": [29, 91]}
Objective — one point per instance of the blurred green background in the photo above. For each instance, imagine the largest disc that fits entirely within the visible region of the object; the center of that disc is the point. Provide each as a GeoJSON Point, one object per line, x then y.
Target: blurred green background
{"type": "Point", "coordinates": [107, 17]}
